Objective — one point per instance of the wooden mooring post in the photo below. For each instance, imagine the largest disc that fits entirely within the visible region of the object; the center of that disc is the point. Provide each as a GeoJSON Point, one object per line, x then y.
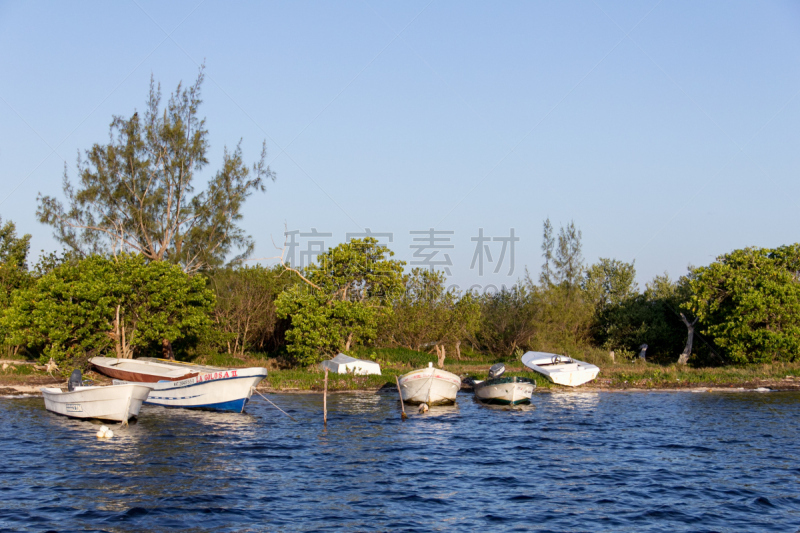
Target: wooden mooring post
{"type": "Point", "coordinates": [325, 400]}
{"type": "Point", "coordinates": [402, 404]}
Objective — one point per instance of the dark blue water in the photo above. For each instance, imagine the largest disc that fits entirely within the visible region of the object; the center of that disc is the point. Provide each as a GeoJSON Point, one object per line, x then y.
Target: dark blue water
{"type": "Point", "coordinates": [571, 462]}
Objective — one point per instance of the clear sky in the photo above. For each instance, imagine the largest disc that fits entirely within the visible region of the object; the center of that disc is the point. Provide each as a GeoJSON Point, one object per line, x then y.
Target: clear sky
{"type": "Point", "coordinates": [668, 131]}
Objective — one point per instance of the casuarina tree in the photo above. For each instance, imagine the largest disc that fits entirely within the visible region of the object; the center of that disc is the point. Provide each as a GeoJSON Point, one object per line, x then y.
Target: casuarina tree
{"type": "Point", "coordinates": [138, 192]}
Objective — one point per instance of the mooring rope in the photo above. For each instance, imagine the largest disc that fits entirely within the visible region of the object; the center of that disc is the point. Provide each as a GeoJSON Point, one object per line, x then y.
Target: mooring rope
{"type": "Point", "coordinates": [273, 405]}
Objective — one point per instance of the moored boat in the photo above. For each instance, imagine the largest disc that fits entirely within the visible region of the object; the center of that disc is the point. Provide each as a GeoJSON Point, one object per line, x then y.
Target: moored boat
{"type": "Point", "coordinates": [223, 390]}
{"type": "Point", "coordinates": [503, 390]}
{"type": "Point", "coordinates": [112, 402]}
{"type": "Point", "coordinates": [560, 369]}
{"type": "Point", "coordinates": [432, 386]}
{"type": "Point", "coordinates": [141, 371]}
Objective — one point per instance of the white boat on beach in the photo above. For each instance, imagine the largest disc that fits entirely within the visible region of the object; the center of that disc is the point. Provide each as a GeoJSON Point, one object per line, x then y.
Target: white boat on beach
{"type": "Point", "coordinates": [344, 364]}
{"type": "Point", "coordinates": [560, 369]}
{"type": "Point", "coordinates": [225, 389]}
{"type": "Point", "coordinates": [112, 402]}
{"type": "Point", "coordinates": [430, 385]}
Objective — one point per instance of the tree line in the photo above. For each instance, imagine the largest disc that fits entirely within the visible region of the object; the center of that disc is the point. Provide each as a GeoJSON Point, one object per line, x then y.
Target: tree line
{"type": "Point", "coordinates": [144, 272]}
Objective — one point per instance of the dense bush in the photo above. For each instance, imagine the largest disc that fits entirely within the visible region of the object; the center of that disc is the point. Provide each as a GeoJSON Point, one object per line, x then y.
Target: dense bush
{"type": "Point", "coordinates": [342, 301]}
{"type": "Point", "coordinates": [508, 320]}
{"type": "Point", "coordinates": [121, 306]}
{"type": "Point", "coordinates": [427, 316]}
{"type": "Point", "coordinates": [748, 302]}
{"type": "Point", "coordinates": [245, 315]}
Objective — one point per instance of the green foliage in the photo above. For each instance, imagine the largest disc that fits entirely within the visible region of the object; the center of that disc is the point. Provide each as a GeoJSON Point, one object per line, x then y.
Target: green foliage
{"type": "Point", "coordinates": [245, 315]}
{"type": "Point", "coordinates": [556, 315]}
{"type": "Point", "coordinates": [609, 282]}
{"type": "Point", "coordinates": [426, 314]}
{"type": "Point", "coordinates": [626, 322]}
{"type": "Point", "coordinates": [748, 302]}
{"type": "Point", "coordinates": [509, 319]}
{"type": "Point", "coordinates": [547, 277]}
{"type": "Point", "coordinates": [13, 262]}
{"type": "Point", "coordinates": [136, 193]}
{"type": "Point", "coordinates": [14, 273]}
{"type": "Point", "coordinates": [121, 306]}
{"type": "Point", "coordinates": [346, 294]}
{"type": "Point", "coordinates": [13, 249]}
{"type": "Point", "coordinates": [564, 320]}
{"type": "Point", "coordinates": [568, 260]}
{"type": "Point", "coordinates": [563, 264]}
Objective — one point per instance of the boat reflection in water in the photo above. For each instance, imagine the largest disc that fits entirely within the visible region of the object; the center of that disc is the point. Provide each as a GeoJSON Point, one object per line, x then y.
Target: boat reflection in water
{"type": "Point", "coordinates": [574, 400]}
{"type": "Point", "coordinates": [520, 407]}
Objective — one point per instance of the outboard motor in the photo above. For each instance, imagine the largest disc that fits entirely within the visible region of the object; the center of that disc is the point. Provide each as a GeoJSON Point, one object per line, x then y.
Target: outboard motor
{"type": "Point", "coordinates": [495, 371]}
{"type": "Point", "coordinates": [75, 380]}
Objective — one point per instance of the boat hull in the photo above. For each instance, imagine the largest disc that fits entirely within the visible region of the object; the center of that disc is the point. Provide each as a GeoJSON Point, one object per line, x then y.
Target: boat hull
{"type": "Point", "coordinates": [117, 403]}
{"type": "Point", "coordinates": [226, 390]}
{"type": "Point", "coordinates": [505, 391]}
{"type": "Point", "coordinates": [569, 372]}
{"type": "Point", "coordinates": [140, 371]}
{"type": "Point", "coordinates": [431, 386]}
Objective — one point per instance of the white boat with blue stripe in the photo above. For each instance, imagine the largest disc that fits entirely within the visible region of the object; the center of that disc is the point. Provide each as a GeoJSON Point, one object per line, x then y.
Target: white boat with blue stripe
{"type": "Point", "coordinates": [224, 389]}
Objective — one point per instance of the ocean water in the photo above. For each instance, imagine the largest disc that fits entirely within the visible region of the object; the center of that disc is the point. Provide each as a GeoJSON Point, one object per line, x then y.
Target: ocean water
{"type": "Point", "coordinates": [656, 461]}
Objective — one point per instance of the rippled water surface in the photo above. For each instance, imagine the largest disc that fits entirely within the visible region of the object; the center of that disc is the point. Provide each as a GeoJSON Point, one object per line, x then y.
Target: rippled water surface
{"type": "Point", "coordinates": [570, 462]}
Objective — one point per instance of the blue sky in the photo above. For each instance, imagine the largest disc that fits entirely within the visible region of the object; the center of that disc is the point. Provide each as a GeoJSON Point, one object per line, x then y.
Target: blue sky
{"type": "Point", "coordinates": [668, 131]}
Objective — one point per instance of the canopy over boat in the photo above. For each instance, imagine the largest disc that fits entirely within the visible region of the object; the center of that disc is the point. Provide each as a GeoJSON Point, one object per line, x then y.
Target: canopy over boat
{"type": "Point", "coordinates": [142, 371]}
{"type": "Point", "coordinates": [344, 364]}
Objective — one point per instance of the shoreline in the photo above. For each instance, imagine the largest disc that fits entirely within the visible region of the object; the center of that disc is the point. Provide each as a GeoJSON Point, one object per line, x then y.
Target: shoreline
{"type": "Point", "coordinates": [32, 389]}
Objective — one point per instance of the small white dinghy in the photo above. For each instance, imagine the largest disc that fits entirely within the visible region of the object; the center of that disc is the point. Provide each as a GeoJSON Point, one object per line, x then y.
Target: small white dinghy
{"type": "Point", "coordinates": [560, 369]}
{"type": "Point", "coordinates": [430, 385]}
{"type": "Point", "coordinates": [112, 402]}
{"type": "Point", "coordinates": [344, 364]}
{"type": "Point", "coordinates": [503, 390]}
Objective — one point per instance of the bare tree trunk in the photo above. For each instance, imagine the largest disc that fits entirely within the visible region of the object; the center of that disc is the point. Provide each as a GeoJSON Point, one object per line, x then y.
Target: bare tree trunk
{"type": "Point", "coordinates": [166, 350]}
{"type": "Point", "coordinates": [440, 354]}
{"type": "Point", "coordinates": [349, 340]}
{"type": "Point", "coordinates": [458, 350]}
{"type": "Point", "coordinates": [126, 352]}
{"type": "Point", "coordinates": [118, 337]}
{"type": "Point", "coordinates": [687, 351]}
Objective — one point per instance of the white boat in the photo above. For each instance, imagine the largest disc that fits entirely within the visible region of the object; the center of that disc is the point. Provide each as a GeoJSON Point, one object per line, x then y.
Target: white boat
{"type": "Point", "coordinates": [560, 369]}
{"type": "Point", "coordinates": [430, 385]}
{"type": "Point", "coordinates": [503, 390]}
{"type": "Point", "coordinates": [113, 402]}
{"type": "Point", "coordinates": [344, 364]}
{"type": "Point", "coordinates": [223, 389]}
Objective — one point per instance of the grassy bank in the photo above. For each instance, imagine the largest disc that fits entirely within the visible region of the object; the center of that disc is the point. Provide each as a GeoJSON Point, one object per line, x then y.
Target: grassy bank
{"type": "Point", "coordinates": [396, 362]}
{"type": "Point", "coordinates": [613, 376]}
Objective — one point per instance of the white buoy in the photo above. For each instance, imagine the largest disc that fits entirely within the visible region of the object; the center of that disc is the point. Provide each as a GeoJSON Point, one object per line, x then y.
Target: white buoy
{"type": "Point", "coordinates": [109, 434]}
{"type": "Point", "coordinates": [423, 408]}
{"type": "Point", "coordinates": [104, 432]}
